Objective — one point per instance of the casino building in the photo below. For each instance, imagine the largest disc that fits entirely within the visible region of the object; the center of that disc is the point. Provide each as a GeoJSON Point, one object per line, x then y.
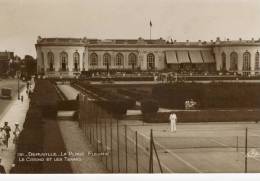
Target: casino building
{"type": "Point", "coordinates": [69, 56]}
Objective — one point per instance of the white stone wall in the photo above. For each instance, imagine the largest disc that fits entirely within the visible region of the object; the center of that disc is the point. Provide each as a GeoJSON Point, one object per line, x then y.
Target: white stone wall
{"type": "Point", "coordinates": [140, 52]}
{"type": "Point", "coordinates": [56, 50]}
{"type": "Point", "coordinates": [240, 50]}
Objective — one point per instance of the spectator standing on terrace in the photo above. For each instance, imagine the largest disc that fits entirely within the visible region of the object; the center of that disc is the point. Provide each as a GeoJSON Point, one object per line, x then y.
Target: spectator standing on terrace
{"type": "Point", "coordinates": [2, 169]}
{"type": "Point", "coordinates": [16, 133]}
{"type": "Point", "coordinates": [2, 138]}
{"type": "Point", "coordinates": [173, 120]}
{"type": "Point", "coordinates": [7, 130]}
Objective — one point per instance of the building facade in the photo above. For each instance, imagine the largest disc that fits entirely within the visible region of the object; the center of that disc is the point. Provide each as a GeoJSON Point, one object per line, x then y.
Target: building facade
{"type": "Point", "coordinates": [70, 56]}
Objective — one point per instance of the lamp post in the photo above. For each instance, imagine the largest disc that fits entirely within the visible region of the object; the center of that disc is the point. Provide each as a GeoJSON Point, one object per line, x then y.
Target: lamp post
{"type": "Point", "coordinates": [18, 88]}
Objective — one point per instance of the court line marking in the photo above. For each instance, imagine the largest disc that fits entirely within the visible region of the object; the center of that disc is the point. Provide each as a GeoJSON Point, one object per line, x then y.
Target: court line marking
{"type": "Point", "coordinates": [218, 142]}
{"type": "Point", "coordinates": [176, 156]}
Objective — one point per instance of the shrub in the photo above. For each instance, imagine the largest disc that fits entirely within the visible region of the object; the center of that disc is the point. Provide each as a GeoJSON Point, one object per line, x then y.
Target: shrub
{"type": "Point", "coordinates": [149, 106]}
{"type": "Point", "coordinates": [68, 105]}
{"type": "Point", "coordinates": [33, 118]}
{"type": "Point", "coordinates": [213, 95]}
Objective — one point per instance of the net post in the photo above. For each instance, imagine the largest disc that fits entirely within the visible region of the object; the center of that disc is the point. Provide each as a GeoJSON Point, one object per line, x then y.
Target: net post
{"type": "Point", "coordinates": [126, 164]}
{"type": "Point", "coordinates": [101, 137]}
{"type": "Point", "coordinates": [246, 151]}
{"type": "Point", "coordinates": [118, 156]}
{"type": "Point", "coordinates": [96, 130]}
{"type": "Point", "coordinates": [160, 166]}
{"type": "Point", "coordinates": [111, 145]}
{"type": "Point", "coordinates": [136, 151]}
{"type": "Point", "coordinates": [237, 144]}
{"type": "Point", "coordinates": [151, 152]}
{"type": "Point", "coordinates": [106, 140]}
{"type": "Point", "coordinates": [90, 136]}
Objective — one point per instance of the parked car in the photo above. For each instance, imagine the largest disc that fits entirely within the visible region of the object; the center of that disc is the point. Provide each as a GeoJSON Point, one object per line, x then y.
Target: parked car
{"type": "Point", "coordinates": [6, 93]}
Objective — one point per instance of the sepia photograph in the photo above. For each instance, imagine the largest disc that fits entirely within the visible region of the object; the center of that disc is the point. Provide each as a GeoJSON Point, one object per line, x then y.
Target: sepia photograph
{"type": "Point", "coordinates": [130, 87]}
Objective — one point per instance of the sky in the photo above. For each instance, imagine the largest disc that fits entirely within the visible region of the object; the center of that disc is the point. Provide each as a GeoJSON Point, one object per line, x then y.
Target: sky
{"type": "Point", "coordinates": [22, 21]}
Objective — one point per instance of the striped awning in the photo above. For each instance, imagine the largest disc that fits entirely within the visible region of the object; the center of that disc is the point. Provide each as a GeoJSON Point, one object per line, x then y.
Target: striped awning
{"type": "Point", "coordinates": [195, 56]}
{"type": "Point", "coordinates": [183, 56]}
{"type": "Point", "coordinates": [171, 57]}
{"type": "Point", "coordinates": [208, 56]}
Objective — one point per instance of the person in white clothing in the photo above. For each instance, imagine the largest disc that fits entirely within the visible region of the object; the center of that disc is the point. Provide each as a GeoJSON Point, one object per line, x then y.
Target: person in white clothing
{"type": "Point", "coordinates": [173, 120]}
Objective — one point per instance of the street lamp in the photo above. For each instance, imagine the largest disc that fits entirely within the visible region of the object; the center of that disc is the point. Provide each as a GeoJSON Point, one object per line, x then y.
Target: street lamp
{"type": "Point", "coordinates": [18, 77]}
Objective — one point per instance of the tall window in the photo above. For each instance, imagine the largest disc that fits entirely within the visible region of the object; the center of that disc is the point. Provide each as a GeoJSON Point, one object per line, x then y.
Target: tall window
{"type": "Point", "coordinates": [106, 59]}
{"type": "Point", "coordinates": [233, 61]}
{"type": "Point", "coordinates": [132, 59]}
{"type": "Point", "coordinates": [119, 59]}
{"type": "Point", "coordinates": [257, 61]}
{"type": "Point", "coordinates": [223, 55]}
{"type": "Point", "coordinates": [64, 60]}
{"type": "Point", "coordinates": [246, 61]}
{"type": "Point", "coordinates": [50, 57]}
{"type": "Point", "coordinates": [150, 61]}
{"type": "Point", "coordinates": [93, 59]}
{"type": "Point", "coordinates": [76, 61]}
{"type": "Point", "coordinates": [42, 57]}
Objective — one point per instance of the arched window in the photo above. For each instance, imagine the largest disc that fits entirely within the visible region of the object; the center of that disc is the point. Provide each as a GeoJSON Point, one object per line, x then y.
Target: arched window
{"type": "Point", "coordinates": [150, 61]}
{"type": "Point", "coordinates": [246, 61]}
{"type": "Point", "coordinates": [64, 60]}
{"type": "Point", "coordinates": [119, 59]}
{"type": "Point", "coordinates": [93, 59]}
{"type": "Point", "coordinates": [76, 61]}
{"type": "Point", "coordinates": [50, 57]}
{"type": "Point", "coordinates": [132, 59]}
{"type": "Point", "coordinates": [106, 59]}
{"type": "Point", "coordinates": [257, 61]}
{"type": "Point", "coordinates": [233, 61]}
{"type": "Point", "coordinates": [223, 56]}
{"type": "Point", "coordinates": [42, 57]}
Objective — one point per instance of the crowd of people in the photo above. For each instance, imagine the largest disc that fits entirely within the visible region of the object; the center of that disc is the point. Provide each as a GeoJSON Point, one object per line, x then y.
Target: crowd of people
{"type": "Point", "coordinates": [5, 135]}
{"type": "Point", "coordinates": [190, 104]}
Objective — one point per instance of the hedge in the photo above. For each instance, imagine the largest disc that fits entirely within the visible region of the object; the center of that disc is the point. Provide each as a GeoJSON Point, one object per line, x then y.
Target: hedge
{"type": "Point", "coordinates": [45, 97]}
{"type": "Point", "coordinates": [212, 95]}
{"type": "Point", "coordinates": [68, 105]}
{"type": "Point", "coordinates": [196, 116]}
{"type": "Point", "coordinates": [149, 106]}
{"type": "Point", "coordinates": [43, 103]}
{"type": "Point", "coordinates": [111, 101]}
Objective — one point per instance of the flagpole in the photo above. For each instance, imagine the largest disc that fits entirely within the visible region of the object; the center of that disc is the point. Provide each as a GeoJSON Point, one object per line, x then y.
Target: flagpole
{"type": "Point", "coordinates": [150, 32]}
{"type": "Point", "coordinates": [150, 29]}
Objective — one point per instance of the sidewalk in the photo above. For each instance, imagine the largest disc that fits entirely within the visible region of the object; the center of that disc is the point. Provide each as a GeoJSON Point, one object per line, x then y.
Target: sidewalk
{"type": "Point", "coordinates": [76, 142]}
{"type": "Point", "coordinates": [15, 112]}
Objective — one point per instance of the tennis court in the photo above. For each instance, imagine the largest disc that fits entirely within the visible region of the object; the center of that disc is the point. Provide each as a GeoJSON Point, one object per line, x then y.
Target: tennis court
{"type": "Point", "coordinates": [205, 147]}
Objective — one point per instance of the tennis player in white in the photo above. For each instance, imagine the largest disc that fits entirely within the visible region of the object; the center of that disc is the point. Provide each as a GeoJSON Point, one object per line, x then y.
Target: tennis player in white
{"type": "Point", "coordinates": [173, 120]}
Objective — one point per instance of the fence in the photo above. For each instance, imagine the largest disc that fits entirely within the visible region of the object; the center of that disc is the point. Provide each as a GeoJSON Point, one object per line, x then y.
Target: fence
{"type": "Point", "coordinates": [131, 149]}
{"type": "Point", "coordinates": [120, 148]}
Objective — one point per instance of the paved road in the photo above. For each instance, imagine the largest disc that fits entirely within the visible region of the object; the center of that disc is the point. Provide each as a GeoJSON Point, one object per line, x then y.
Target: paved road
{"type": "Point", "coordinates": [14, 112]}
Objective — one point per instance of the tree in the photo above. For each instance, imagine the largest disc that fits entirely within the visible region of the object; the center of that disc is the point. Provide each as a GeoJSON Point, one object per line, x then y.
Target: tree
{"type": "Point", "coordinates": [28, 66]}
